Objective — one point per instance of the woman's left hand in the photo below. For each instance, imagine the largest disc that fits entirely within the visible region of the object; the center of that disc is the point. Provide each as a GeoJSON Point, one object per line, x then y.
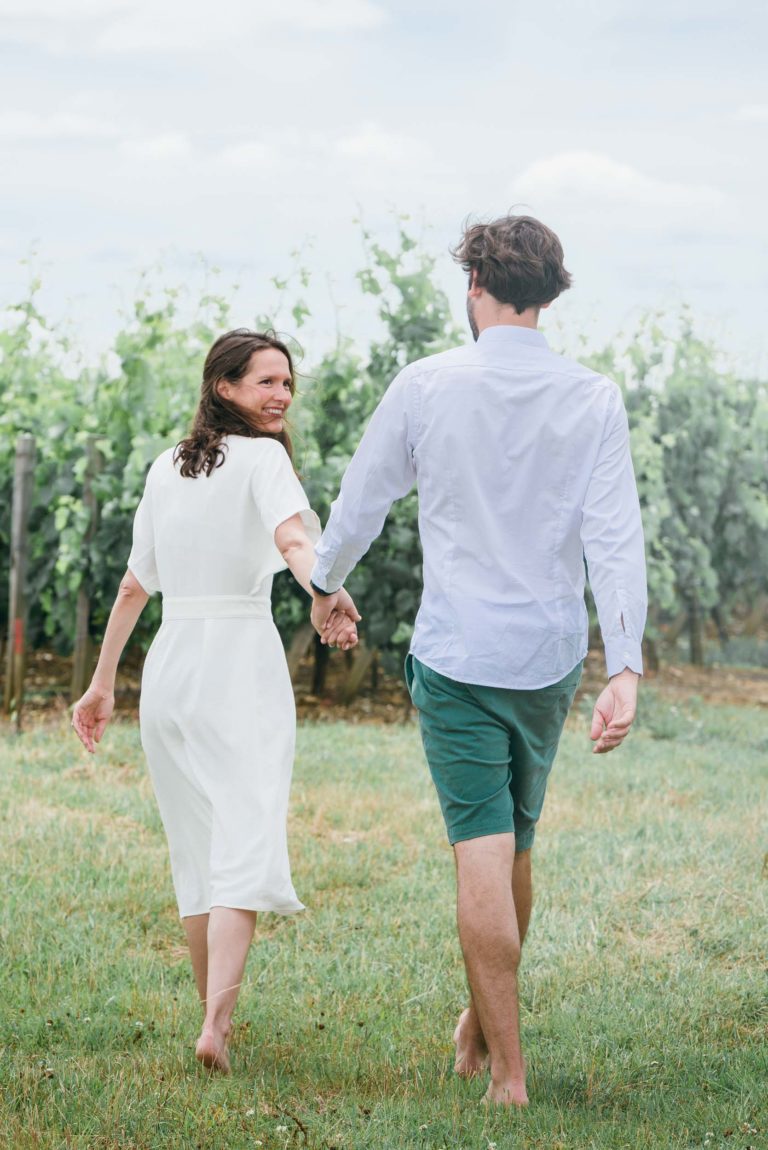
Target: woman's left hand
{"type": "Point", "coordinates": [91, 715]}
{"type": "Point", "coordinates": [340, 631]}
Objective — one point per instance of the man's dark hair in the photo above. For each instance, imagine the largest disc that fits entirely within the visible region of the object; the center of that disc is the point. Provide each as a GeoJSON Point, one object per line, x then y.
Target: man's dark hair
{"type": "Point", "coordinates": [517, 259]}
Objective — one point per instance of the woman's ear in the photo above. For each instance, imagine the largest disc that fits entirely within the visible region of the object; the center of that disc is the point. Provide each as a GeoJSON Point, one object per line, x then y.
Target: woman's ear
{"type": "Point", "coordinates": [223, 388]}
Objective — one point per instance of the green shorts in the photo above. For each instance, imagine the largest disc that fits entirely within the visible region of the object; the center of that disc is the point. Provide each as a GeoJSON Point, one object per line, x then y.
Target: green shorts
{"type": "Point", "coordinates": [489, 749]}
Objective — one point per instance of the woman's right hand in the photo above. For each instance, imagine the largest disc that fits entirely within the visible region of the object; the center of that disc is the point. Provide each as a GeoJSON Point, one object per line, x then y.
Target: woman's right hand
{"type": "Point", "coordinates": [91, 715]}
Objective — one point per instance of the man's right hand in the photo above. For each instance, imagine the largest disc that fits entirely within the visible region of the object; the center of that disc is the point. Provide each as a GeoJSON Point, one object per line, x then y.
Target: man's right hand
{"type": "Point", "coordinates": [614, 712]}
{"type": "Point", "coordinates": [323, 607]}
{"type": "Point", "coordinates": [340, 632]}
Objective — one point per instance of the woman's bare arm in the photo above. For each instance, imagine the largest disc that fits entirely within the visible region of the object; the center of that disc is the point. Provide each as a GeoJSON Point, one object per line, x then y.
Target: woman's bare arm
{"type": "Point", "coordinates": [94, 710]}
{"type": "Point", "coordinates": [297, 550]}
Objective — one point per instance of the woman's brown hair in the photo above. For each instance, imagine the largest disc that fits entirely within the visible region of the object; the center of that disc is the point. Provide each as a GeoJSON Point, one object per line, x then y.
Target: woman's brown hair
{"type": "Point", "coordinates": [229, 359]}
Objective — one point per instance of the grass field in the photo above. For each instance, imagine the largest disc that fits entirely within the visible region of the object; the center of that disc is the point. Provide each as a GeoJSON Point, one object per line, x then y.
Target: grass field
{"type": "Point", "coordinates": [644, 989]}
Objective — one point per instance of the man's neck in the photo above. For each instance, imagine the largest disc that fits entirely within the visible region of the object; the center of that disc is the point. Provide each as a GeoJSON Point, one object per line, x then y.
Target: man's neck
{"type": "Point", "coordinates": [507, 317]}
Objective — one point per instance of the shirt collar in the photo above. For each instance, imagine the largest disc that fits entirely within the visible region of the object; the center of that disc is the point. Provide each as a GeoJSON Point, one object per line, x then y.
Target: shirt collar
{"type": "Point", "coordinates": [508, 333]}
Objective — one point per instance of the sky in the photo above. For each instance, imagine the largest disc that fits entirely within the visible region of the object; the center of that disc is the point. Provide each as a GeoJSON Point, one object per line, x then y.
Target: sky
{"type": "Point", "coordinates": [184, 133]}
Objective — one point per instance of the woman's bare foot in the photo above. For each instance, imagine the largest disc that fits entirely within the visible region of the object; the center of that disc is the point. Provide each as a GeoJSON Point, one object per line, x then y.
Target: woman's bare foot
{"type": "Point", "coordinates": [471, 1050]}
{"type": "Point", "coordinates": [506, 1094]}
{"type": "Point", "coordinates": [211, 1050]}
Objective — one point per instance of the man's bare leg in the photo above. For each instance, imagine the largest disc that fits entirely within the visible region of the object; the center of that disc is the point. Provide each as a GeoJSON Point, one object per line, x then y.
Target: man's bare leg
{"type": "Point", "coordinates": [229, 936]}
{"type": "Point", "coordinates": [196, 926]}
{"type": "Point", "coordinates": [471, 1047]}
{"type": "Point", "coordinates": [522, 892]}
{"type": "Point", "coordinates": [490, 942]}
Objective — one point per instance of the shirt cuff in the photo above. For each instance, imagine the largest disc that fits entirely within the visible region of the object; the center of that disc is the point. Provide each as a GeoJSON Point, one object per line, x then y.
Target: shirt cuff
{"type": "Point", "coordinates": [322, 584]}
{"type": "Point", "coordinates": [622, 653]}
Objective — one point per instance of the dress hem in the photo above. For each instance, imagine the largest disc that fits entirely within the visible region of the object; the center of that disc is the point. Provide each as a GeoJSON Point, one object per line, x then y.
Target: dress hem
{"type": "Point", "coordinates": [261, 906]}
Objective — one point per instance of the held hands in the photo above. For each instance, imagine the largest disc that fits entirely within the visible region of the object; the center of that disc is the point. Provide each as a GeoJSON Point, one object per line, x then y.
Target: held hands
{"type": "Point", "coordinates": [334, 618]}
{"type": "Point", "coordinates": [339, 631]}
{"type": "Point", "coordinates": [91, 715]}
{"type": "Point", "coordinates": [614, 712]}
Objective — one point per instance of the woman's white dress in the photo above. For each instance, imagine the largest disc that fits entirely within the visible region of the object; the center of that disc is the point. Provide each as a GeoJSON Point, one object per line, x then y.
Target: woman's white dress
{"type": "Point", "coordinates": [217, 710]}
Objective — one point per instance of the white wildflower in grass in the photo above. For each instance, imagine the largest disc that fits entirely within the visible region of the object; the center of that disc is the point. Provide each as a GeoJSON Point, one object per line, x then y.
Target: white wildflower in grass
{"type": "Point", "coordinates": [249, 1114]}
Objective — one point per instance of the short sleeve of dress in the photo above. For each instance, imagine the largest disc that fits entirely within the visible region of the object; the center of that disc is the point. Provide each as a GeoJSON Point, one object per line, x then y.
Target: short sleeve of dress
{"type": "Point", "coordinates": [141, 561]}
{"type": "Point", "coordinates": [278, 493]}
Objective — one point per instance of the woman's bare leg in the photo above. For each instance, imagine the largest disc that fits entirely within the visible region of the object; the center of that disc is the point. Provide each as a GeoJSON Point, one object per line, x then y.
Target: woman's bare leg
{"type": "Point", "coordinates": [196, 926]}
{"type": "Point", "coordinates": [229, 936]}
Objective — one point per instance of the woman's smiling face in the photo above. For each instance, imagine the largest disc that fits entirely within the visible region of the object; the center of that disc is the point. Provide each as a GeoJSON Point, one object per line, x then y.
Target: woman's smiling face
{"type": "Point", "coordinates": [265, 392]}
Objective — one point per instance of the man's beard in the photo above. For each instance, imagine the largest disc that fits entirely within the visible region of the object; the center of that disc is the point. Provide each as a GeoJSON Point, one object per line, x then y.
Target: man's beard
{"type": "Point", "coordinates": [471, 317]}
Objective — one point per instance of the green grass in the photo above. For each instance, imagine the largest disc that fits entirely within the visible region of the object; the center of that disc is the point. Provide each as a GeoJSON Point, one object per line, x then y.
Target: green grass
{"type": "Point", "coordinates": [644, 996]}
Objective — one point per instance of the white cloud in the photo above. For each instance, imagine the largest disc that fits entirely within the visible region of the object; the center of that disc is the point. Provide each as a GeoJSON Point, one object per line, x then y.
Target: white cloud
{"type": "Point", "coordinates": [371, 143]}
{"type": "Point", "coordinates": [175, 26]}
{"type": "Point", "coordinates": [197, 25]}
{"type": "Point", "coordinates": [251, 154]}
{"type": "Point", "coordinates": [168, 146]}
{"type": "Point", "coordinates": [596, 178]}
{"type": "Point", "coordinates": [753, 112]}
{"type": "Point", "coordinates": [341, 14]}
{"type": "Point", "coordinates": [76, 9]}
{"type": "Point", "coordinates": [26, 126]}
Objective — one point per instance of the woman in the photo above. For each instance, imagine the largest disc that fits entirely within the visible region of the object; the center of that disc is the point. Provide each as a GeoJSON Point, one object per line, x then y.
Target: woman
{"type": "Point", "coordinates": [219, 516]}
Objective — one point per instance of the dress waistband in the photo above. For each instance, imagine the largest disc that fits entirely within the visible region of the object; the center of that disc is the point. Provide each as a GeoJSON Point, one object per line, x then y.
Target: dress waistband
{"type": "Point", "coordinates": [216, 607]}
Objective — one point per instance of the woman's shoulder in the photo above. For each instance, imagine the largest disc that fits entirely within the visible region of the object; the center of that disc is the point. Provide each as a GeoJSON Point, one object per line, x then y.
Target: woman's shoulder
{"type": "Point", "coordinates": [165, 457]}
{"type": "Point", "coordinates": [161, 464]}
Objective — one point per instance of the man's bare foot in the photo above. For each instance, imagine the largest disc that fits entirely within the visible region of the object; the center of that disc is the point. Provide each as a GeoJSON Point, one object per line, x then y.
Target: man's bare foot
{"type": "Point", "coordinates": [471, 1050]}
{"type": "Point", "coordinates": [506, 1094]}
{"type": "Point", "coordinates": [211, 1050]}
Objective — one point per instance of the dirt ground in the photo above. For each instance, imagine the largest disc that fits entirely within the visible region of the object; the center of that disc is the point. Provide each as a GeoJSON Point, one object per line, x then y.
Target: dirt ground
{"type": "Point", "coordinates": [48, 675]}
{"type": "Point", "coordinates": [734, 686]}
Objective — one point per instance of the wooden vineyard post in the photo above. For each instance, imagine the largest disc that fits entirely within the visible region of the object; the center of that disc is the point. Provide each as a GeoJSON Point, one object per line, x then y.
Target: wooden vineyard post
{"type": "Point", "coordinates": [23, 477]}
{"type": "Point", "coordinates": [320, 669]}
{"type": "Point", "coordinates": [695, 630]}
{"type": "Point", "coordinates": [83, 652]}
{"type": "Point", "coordinates": [364, 661]}
{"type": "Point", "coordinates": [300, 645]}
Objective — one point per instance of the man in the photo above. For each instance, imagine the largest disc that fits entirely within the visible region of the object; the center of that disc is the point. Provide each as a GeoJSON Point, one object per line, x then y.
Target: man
{"type": "Point", "coordinates": [522, 463]}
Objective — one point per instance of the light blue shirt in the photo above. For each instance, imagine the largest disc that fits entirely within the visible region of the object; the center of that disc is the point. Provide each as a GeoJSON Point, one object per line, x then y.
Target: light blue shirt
{"type": "Point", "coordinates": [523, 468]}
